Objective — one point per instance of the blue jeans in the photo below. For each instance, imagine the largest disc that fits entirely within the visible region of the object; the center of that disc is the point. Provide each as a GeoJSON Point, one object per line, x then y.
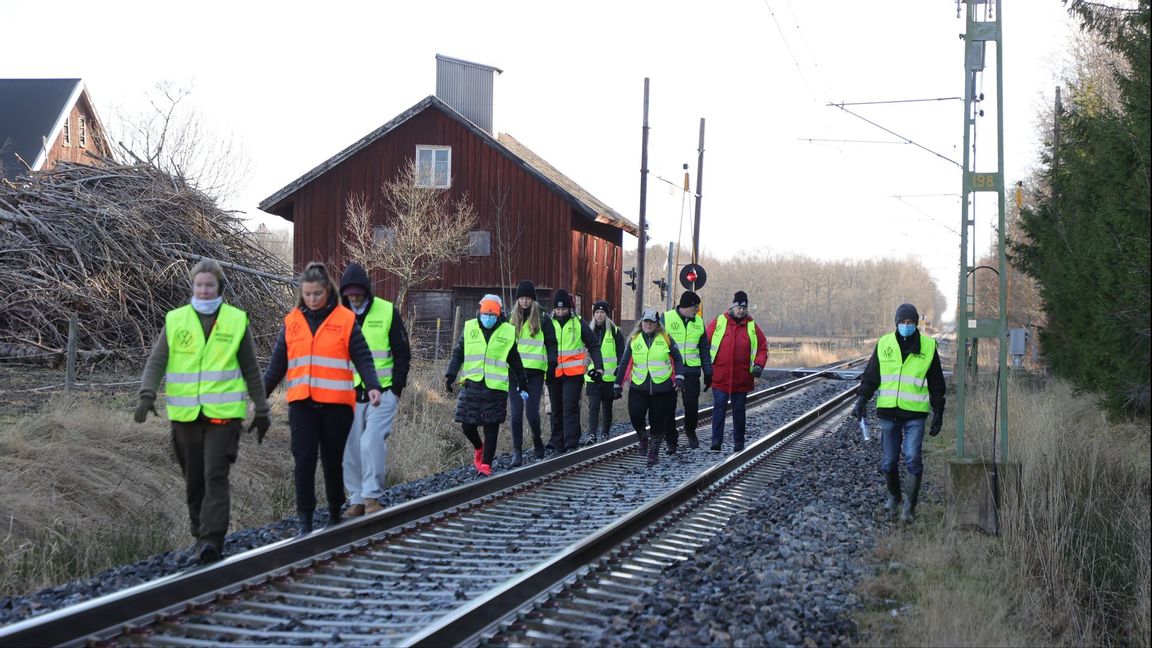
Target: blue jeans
{"type": "Point", "coordinates": [910, 435]}
{"type": "Point", "coordinates": [720, 400]}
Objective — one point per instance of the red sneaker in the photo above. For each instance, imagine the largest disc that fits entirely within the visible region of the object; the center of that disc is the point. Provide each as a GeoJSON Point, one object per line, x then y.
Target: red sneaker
{"type": "Point", "coordinates": [484, 469]}
{"type": "Point", "coordinates": [478, 458]}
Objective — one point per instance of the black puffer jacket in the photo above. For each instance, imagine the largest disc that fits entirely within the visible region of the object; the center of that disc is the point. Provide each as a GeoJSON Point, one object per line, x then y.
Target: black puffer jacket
{"type": "Point", "coordinates": [479, 404]}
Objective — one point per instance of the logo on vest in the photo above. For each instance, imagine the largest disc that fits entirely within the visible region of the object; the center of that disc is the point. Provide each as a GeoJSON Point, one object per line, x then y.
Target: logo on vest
{"type": "Point", "coordinates": [223, 338]}
{"type": "Point", "coordinates": [184, 339]}
{"type": "Point", "coordinates": [887, 352]}
{"type": "Point", "coordinates": [294, 329]}
{"type": "Point", "coordinates": [474, 334]}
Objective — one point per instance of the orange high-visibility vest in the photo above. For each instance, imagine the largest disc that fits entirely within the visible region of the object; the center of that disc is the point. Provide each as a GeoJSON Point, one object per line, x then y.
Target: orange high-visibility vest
{"type": "Point", "coordinates": [319, 366]}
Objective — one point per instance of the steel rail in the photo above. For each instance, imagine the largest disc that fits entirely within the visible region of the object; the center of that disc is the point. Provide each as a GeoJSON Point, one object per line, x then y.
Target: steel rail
{"type": "Point", "coordinates": [141, 605]}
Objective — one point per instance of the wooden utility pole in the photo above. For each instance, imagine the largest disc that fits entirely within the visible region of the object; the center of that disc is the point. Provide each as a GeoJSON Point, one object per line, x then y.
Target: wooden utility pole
{"type": "Point", "coordinates": [699, 197]}
{"type": "Point", "coordinates": [642, 243]}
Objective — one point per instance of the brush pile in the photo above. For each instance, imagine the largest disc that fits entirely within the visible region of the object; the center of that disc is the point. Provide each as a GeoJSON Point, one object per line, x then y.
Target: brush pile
{"type": "Point", "coordinates": [113, 244]}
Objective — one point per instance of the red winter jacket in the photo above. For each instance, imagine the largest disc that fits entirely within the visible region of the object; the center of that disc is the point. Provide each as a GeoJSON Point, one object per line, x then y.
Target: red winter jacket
{"type": "Point", "coordinates": [730, 370]}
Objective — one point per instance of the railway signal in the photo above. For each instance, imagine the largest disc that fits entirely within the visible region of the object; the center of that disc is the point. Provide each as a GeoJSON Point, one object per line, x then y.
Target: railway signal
{"type": "Point", "coordinates": [692, 277]}
{"type": "Point", "coordinates": [631, 283]}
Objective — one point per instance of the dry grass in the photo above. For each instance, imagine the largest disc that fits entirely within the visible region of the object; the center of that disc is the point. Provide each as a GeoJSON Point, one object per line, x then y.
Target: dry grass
{"type": "Point", "coordinates": [1072, 566]}
{"type": "Point", "coordinates": [787, 353]}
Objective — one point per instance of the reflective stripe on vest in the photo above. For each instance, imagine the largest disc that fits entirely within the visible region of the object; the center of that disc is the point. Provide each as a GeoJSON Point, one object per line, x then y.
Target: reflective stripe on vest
{"type": "Point", "coordinates": [319, 366]}
{"type": "Point", "coordinates": [682, 335]}
{"type": "Point", "coordinates": [570, 354]}
{"type": "Point", "coordinates": [607, 354]}
{"type": "Point", "coordinates": [718, 337]}
{"type": "Point", "coordinates": [655, 360]}
{"type": "Point", "coordinates": [487, 360]}
{"type": "Point", "coordinates": [376, 327]}
{"type": "Point", "coordinates": [531, 348]}
{"type": "Point", "coordinates": [204, 376]}
{"type": "Point", "coordinates": [904, 383]}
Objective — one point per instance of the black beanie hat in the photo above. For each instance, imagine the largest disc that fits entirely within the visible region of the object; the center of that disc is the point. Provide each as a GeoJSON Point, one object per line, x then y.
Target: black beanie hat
{"type": "Point", "coordinates": [562, 299]}
{"type": "Point", "coordinates": [526, 289]}
{"type": "Point", "coordinates": [907, 311]}
{"type": "Point", "coordinates": [355, 275]}
{"type": "Point", "coordinates": [740, 298]}
{"type": "Point", "coordinates": [601, 305]}
{"type": "Point", "coordinates": [688, 300]}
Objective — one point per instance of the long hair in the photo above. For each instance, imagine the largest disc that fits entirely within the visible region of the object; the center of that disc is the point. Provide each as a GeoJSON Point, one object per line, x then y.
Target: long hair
{"type": "Point", "coordinates": [517, 318]}
{"type": "Point", "coordinates": [315, 272]}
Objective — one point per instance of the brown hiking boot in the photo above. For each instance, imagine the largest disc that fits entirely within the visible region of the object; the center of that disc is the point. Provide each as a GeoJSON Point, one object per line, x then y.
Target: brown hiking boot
{"type": "Point", "coordinates": [355, 510]}
{"type": "Point", "coordinates": [372, 506]}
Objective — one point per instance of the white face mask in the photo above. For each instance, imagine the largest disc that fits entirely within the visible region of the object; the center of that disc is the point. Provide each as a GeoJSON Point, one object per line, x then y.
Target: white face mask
{"type": "Point", "coordinates": [360, 310]}
{"type": "Point", "coordinates": [207, 306]}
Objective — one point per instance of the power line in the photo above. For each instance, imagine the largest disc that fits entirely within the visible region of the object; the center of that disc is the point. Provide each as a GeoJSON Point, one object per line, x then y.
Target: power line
{"type": "Point", "coordinates": [892, 132]}
{"type": "Point", "coordinates": [847, 141]}
{"type": "Point", "coordinates": [789, 48]}
{"type": "Point", "coordinates": [896, 101]}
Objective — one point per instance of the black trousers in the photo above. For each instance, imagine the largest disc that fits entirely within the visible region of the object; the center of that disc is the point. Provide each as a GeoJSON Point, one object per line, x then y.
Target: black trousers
{"type": "Point", "coordinates": [491, 435]}
{"type": "Point", "coordinates": [519, 409]}
{"type": "Point", "coordinates": [655, 410]}
{"type": "Point", "coordinates": [690, 396]}
{"type": "Point", "coordinates": [564, 394]}
{"type": "Point", "coordinates": [318, 431]}
{"type": "Point", "coordinates": [600, 408]}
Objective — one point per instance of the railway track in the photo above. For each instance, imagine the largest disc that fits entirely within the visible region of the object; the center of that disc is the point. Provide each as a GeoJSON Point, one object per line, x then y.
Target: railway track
{"type": "Point", "coordinates": [535, 555]}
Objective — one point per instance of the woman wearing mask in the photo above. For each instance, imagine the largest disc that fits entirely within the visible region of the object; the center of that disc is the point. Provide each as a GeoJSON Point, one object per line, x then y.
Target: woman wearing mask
{"type": "Point", "coordinates": [316, 350]}
{"type": "Point", "coordinates": [486, 364]}
{"type": "Point", "coordinates": [205, 354]}
{"type": "Point", "coordinates": [657, 372]}
{"type": "Point", "coordinates": [536, 342]}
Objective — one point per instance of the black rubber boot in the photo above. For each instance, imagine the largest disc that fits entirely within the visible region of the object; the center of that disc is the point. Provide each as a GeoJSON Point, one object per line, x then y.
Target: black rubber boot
{"type": "Point", "coordinates": [911, 495]}
{"type": "Point", "coordinates": [208, 553]}
{"type": "Point", "coordinates": [673, 442]}
{"type": "Point", "coordinates": [305, 518]}
{"type": "Point", "coordinates": [893, 502]}
{"type": "Point", "coordinates": [538, 447]}
{"type": "Point", "coordinates": [517, 458]}
{"type": "Point", "coordinates": [693, 442]}
{"type": "Point", "coordinates": [334, 516]}
{"type": "Point", "coordinates": [642, 449]}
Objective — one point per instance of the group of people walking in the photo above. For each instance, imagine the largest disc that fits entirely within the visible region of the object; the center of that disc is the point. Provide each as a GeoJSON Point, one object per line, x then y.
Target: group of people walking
{"type": "Point", "coordinates": [343, 356]}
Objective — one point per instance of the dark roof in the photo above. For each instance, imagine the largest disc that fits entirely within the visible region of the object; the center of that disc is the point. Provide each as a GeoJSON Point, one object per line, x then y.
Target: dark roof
{"type": "Point", "coordinates": [507, 145]}
{"type": "Point", "coordinates": [32, 111]}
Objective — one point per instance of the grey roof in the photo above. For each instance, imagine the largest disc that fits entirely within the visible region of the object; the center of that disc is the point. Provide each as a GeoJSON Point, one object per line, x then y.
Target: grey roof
{"type": "Point", "coordinates": [32, 112]}
{"type": "Point", "coordinates": [507, 145]}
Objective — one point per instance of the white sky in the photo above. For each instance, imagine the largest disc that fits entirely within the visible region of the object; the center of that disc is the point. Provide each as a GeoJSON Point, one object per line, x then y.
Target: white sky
{"type": "Point", "coordinates": [297, 82]}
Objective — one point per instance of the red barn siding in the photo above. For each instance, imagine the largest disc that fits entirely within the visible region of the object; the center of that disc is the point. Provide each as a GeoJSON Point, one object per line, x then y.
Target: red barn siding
{"type": "Point", "coordinates": [555, 247]}
{"type": "Point", "coordinates": [74, 152]}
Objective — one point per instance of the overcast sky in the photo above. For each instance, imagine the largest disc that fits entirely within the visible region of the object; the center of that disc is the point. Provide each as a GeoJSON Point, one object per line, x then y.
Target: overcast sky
{"type": "Point", "coordinates": [297, 82]}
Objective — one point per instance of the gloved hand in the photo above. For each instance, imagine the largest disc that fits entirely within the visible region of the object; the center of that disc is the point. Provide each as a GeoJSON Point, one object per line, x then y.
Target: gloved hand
{"type": "Point", "coordinates": [679, 383]}
{"type": "Point", "coordinates": [550, 374]}
{"type": "Point", "coordinates": [707, 381]}
{"type": "Point", "coordinates": [937, 422]}
{"type": "Point", "coordinates": [617, 391]}
{"type": "Point", "coordinates": [757, 370]}
{"type": "Point", "coordinates": [146, 405]}
{"type": "Point", "coordinates": [595, 374]}
{"type": "Point", "coordinates": [524, 395]}
{"type": "Point", "coordinates": [260, 426]}
{"type": "Point", "coordinates": [449, 381]}
{"type": "Point", "coordinates": [858, 409]}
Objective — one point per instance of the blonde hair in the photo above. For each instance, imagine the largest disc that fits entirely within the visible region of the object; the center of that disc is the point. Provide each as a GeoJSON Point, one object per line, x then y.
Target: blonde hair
{"type": "Point", "coordinates": [638, 330]}
{"type": "Point", "coordinates": [314, 272]}
{"type": "Point", "coordinates": [210, 266]}
{"type": "Point", "coordinates": [517, 319]}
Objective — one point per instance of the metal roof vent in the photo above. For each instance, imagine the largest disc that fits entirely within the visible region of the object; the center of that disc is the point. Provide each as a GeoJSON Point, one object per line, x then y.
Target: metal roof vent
{"type": "Point", "coordinates": [469, 88]}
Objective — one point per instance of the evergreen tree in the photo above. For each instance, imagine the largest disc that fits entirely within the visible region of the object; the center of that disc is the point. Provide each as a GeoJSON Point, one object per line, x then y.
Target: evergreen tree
{"type": "Point", "coordinates": [1087, 236]}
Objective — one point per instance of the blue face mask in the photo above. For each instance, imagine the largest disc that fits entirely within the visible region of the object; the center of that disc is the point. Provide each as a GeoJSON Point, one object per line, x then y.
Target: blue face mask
{"type": "Point", "coordinates": [488, 320]}
{"type": "Point", "coordinates": [905, 330]}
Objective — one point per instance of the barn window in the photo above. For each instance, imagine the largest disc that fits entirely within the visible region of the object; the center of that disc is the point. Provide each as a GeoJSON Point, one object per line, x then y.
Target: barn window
{"type": "Point", "coordinates": [82, 131]}
{"type": "Point", "coordinates": [479, 243]}
{"type": "Point", "coordinates": [434, 166]}
{"type": "Point", "coordinates": [383, 235]}
{"type": "Point", "coordinates": [67, 135]}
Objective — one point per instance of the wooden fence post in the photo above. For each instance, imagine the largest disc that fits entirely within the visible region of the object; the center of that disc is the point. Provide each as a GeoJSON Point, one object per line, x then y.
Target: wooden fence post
{"type": "Point", "coordinates": [70, 365]}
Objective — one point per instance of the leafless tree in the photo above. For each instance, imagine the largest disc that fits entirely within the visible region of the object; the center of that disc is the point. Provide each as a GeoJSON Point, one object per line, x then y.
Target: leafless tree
{"type": "Point", "coordinates": [173, 136]}
{"type": "Point", "coordinates": [421, 230]}
{"type": "Point", "coordinates": [507, 229]}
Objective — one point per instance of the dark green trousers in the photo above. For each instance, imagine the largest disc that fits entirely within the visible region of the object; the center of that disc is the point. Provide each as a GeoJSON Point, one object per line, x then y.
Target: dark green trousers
{"type": "Point", "coordinates": [206, 453]}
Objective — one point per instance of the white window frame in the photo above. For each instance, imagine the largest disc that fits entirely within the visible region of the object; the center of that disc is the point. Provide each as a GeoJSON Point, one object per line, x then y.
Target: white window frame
{"type": "Point", "coordinates": [67, 139]}
{"type": "Point", "coordinates": [82, 131]}
{"type": "Point", "coordinates": [426, 173]}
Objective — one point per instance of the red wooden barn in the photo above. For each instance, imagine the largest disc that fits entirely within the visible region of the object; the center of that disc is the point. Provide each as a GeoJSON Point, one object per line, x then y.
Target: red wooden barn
{"type": "Point", "coordinates": [568, 239]}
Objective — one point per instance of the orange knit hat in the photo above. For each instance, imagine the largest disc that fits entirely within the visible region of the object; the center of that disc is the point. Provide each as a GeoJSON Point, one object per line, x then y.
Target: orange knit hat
{"type": "Point", "coordinates": [491, 304]}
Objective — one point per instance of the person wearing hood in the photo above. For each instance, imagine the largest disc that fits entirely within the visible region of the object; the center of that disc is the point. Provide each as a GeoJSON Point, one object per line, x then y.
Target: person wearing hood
{"type": "Point", "coordinates": [320, 349]}
{"type": "Point", "coordinates": [536, 342]}
{"type": "Point", "coordinates": [487, 366]}
{"type": "Point", "coordinates": [657, 372]}
{"type": "Point", "coordinates": [600, 393]}
{"type": "Point", "coordinates": [905, 369]}
{"type": "Point", "coordinates": [205, 354]}
{"type": "Point", "coordinates": [739, 351]}
{"type": "Point", "coordinates": [686, 327]}
{"type": "Point", "coordinates": [566, 368]}
{"type": "Point", "coordinates": [366, 451]}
